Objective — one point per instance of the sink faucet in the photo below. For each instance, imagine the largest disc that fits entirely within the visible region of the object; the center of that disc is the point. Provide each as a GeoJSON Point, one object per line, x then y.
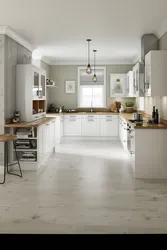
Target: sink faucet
{"type": "Point", "coordinates": [91, 109]}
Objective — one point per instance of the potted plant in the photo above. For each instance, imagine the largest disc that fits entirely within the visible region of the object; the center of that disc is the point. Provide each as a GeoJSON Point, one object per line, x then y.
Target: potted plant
{"type": "Point", "coordinates": [129, 107]}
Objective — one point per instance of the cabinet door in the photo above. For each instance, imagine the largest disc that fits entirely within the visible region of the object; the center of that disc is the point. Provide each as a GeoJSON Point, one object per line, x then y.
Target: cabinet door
{"type": "Point", "coordinates": [129, 84]}
{"type": "Point", "coordinates": [52, 135]}
{"type": "Point", "coordinates": [109, 127]}
{"type": "Point", "coordinates": [35, 85]}
{"type": "Point", "coordinates": [117, 85]}
{"type": "Point", "coordinates": [40, 154]}
{"type": "Point", "coordinates": [90, 126]}
{"type": "Point", "coordinates": [72, 126]}
{"type": "Point", "coordinates": [43, 86]}
{"type": "Point", "coordinates": [147, 76]}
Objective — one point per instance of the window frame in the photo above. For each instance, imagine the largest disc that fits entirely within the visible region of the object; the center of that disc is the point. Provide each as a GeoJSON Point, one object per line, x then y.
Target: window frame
{"type": "Point", "coordinates": [104, 87]}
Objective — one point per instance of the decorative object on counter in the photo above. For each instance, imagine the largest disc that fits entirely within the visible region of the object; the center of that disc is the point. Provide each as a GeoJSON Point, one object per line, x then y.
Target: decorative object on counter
{"type": "Point", "coordinates": [153, 113]}
{"type": "Point", "coordinates": [94, 76]}
{"type": "Point", "coordinates": [16, 117]}
{"type": "Point", "coordinates": [121, 110]}
{"type": "Point", "coordinates": [71, 111]}
{"type": "Point", "coordinates": [52, 108]}
{"type": "Point", "coordinates": [115, 107]}
{"type": "Point", "coordinates": [60, 109]}
{"type": "Point", "coordinates": [70, 87]}
{"type": "Point", "coordinates": [139, 123]}
{"type": "Point", "coordinates": [88, 70]}
{"type": "Point", "coordinates": [129, 107]}
{"type": "Point", "coordinates": [156, 119]}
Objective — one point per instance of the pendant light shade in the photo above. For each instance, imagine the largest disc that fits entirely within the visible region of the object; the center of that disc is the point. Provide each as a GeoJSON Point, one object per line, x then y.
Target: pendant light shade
{"type": "Point", "coordinates": [88, 70]}
{"type": "Point", "coordinates": [94, 76]}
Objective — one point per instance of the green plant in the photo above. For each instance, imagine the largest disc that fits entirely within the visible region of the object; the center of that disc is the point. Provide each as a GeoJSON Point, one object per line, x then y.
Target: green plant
{"type": "Point", "coordinates": [129, 104]}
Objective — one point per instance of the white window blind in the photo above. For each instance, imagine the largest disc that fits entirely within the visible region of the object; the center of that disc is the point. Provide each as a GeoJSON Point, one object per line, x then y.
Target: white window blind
{"type": "Point", "coordinates": [91, 94]}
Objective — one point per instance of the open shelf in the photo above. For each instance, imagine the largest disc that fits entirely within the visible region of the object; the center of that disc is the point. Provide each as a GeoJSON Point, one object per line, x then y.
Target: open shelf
{"type": "Point", "coordinates": [51, 86]}
{"type": "Point", "coordinates": [25, 149]}
{"type": "Point", "coordinates": [39, 106]}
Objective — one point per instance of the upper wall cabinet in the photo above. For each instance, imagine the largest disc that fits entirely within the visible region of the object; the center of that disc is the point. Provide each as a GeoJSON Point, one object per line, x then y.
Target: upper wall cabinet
{"type": "Point", "coordinates": [30, 92]}
{"type": "Point", "coordinates": [130, 91]}
{"type": "Point", "coordinates": [117, 85]}
{"type": "Point", "coordinates": [138, 80]}
{"type": "Point", "coordinates": [156, 73]}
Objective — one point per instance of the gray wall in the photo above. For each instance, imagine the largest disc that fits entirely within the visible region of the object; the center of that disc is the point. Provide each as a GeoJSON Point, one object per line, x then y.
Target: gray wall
{"type": "Point", "coordinates": [14, 54]}
{"type": "Point", "coordinates": [62, 73]}
{"type": "Point", "coordinates": [159, 102]}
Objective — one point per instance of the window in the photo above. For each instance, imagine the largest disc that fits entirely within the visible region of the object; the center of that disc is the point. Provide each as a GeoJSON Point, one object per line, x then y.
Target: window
{"type": "Point", "coordinates": [141, 103]}
{"type": "Point", "coordinates": [91, 94]}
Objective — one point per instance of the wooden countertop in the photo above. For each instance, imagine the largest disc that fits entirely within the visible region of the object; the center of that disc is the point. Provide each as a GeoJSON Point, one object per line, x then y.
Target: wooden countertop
{"type": "Point", "coordinates": [36, 123]}
{"type": "Point", "coordinates": [52, 116]}
{"type": "Point", "coordinates": [128, 117]}
{"type": "Point", "coordinates": [82, 113]}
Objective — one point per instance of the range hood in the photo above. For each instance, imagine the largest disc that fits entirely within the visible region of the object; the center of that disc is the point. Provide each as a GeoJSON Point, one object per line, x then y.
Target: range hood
{"type": "Point", "coordinates": [148, 42]}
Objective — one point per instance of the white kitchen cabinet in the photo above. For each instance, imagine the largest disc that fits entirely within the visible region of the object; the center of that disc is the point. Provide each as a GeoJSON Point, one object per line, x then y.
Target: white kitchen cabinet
{"type": "Point", "coordinates": [90, 125]}
{"type": "Point", "coordinates": [156, 73]}
{"type": "Point", "coordinates": [138, 80]}
{"type": "Point", "coordinates": [30, 92]}
{"type": "Point", "coordinates": [72, 125]}
{"type": "Point", "coordinates": [61, 126]}
{"type": "Point", "coordinates": [109, 126]}
{"type": "Point", "coordinates": [129, 85]}
{"type": "Point", "coordinates": [117, 85]}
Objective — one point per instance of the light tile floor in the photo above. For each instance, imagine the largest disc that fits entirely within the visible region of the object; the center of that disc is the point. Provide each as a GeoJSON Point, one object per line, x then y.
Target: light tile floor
{"type": "Point", "coordinates": [85, 187]}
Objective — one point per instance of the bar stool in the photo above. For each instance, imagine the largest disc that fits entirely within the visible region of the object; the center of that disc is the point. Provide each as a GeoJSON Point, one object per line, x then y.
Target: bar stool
{"type": "Point", "coordinates": [8, 138]}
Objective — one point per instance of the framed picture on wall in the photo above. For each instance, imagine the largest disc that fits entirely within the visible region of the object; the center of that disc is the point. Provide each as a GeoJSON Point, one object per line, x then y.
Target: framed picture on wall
{"type": "Point", "coordinates": [70, 87]}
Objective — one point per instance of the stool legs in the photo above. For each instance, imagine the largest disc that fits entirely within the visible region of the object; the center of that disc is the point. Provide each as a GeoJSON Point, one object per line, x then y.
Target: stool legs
{"type": "Point", "coordinates": [17, 158]}
{"type": "Point", "coordinates": [5, 164]}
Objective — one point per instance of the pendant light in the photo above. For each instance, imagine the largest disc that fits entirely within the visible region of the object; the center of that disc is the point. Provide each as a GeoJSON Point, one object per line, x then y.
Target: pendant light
{"type": "Point", "coordinates": [88, 70]}
{"type": "Point", "coordinates": [94, 76]}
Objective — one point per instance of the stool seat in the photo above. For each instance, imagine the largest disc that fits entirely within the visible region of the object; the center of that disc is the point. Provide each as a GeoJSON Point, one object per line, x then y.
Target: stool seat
{"type": "Point", "coordinates": [7, 137]}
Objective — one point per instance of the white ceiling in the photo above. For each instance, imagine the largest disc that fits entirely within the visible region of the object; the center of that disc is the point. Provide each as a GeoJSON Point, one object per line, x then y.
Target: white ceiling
{"type": "Point", "coordinates": [59, 28]}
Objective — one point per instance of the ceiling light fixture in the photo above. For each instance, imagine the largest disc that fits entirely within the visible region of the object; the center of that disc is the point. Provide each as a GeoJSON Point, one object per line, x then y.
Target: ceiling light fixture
{"type": "Point", "coordinates": [88, 70]}
{"type": "Point", "coordinates": [94, 76]}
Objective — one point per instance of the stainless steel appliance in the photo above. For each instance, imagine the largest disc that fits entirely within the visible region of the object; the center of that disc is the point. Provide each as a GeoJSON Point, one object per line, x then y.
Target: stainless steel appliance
{"type": "Point", "coordinates": [137, 117]}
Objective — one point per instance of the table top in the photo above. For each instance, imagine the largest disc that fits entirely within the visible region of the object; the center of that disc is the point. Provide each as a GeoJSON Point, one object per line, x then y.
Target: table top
{"type": "Point", "coordinates": [7, 137]}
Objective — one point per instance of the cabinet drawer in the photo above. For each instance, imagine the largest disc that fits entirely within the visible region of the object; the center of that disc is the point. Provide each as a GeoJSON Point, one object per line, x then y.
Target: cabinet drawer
{"type": "Point", "coordinates": [90, 117]}
{"type": "Point", "coordinates": [90, 127]}
{"type": "Point", "coordinates": [72, 127]}
{"type": "Point", "coordinates": [72, 117]}
{"type": "Point", "coordinates": [109, 117]}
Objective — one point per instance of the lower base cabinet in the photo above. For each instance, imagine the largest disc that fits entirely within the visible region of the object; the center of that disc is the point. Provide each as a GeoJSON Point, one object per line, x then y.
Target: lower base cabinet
{"type": "Point", "coordinates": [90, 125]}
{"type": "Point", "coordinates": [109, 127]}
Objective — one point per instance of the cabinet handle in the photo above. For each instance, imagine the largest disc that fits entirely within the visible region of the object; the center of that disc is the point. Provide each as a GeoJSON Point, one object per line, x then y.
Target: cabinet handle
{"type": "Point", "coordinates": [47, 124]}
{"type": "Point", "coordinates": [108, 120]}
{"type": "Point", "coordinates": [132, 153]}
{"type": "Point", "coordinates": [90, 120]}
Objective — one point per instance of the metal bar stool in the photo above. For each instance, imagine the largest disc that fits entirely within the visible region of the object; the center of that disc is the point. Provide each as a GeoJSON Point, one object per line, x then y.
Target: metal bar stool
{"type": "Point", "coordinates": [7, 138]}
